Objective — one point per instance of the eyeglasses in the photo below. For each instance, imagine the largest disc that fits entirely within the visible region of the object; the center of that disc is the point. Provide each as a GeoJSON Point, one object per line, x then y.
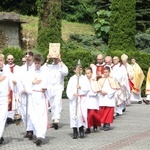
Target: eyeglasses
{"type": "Point", "coordinates": [11, 59]}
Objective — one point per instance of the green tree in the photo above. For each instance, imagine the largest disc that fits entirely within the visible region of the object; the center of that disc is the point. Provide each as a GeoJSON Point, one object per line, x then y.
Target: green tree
{"type": "Point", "coordinates": [122, 25]}
{"type": "Point", "coordinates": [25, 7]}
{"type": "Point", "coordinates": [49, 27]}
{"type": "Point", "coordinates": [142, 15]}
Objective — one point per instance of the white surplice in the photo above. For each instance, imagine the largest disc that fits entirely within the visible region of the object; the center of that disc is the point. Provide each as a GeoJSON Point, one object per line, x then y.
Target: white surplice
{"type": "Point", "coordinates": [109, 98]}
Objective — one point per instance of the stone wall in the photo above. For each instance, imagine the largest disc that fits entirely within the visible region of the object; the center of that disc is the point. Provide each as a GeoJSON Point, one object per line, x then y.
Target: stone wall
{"type": "Point", "coordinates": [9, 34]}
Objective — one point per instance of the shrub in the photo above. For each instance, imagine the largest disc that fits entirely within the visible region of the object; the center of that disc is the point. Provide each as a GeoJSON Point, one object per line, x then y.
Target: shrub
{"type": "Point", "coordinates": [142, 42]}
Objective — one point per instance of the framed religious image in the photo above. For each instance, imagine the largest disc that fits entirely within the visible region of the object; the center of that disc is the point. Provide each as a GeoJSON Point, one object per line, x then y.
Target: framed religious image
{"type": "Point", "coordinates": [54, 50]}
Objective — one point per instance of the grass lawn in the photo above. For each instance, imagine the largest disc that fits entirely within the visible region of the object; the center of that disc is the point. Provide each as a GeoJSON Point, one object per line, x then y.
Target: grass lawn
{"type": "Point", "coordinates": [30, 29]}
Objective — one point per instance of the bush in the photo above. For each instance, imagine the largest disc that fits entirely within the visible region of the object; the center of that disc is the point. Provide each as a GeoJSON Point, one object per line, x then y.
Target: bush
{"type": "Point", "coordinates": [142, 59]}
{"type": "Point", "coordinates": [142, 42]}
{"type": "Point", "coordinates": [87, 42]}
{"type": "Point", "coordinates": [16, 52]}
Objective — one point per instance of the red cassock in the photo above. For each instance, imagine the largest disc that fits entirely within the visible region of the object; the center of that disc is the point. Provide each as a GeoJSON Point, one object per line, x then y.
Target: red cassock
{"type": "Point", "coordinates": [106, 114]}
{"type": "Point", "coordinates": [93, 118]}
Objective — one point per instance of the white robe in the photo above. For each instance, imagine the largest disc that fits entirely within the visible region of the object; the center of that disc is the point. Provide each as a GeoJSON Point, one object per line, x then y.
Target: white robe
{"type": "Point", "coordinates": [25, 85]}
{"type": "Point", "coordinates": [57, 74]}
{"type": "Point", "coordinates": [38, 108]}
{"type": "Point", "coordinates": [120, 74]}
{"type": "Point", "coordinates": [81, 118]}
{"type": "Point", "coordinates": [15, 98]}
{"type": "Point", "coordinates": [4, 91]}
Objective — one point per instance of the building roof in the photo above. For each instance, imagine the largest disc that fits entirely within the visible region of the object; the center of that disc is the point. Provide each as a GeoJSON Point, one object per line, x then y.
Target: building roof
{"type": "Point", "coordinates": [10, 17]}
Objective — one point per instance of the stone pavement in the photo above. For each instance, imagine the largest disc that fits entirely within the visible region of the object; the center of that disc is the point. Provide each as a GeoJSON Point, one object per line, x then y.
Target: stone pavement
{"type": "Point", "coordinates": [129, 132]}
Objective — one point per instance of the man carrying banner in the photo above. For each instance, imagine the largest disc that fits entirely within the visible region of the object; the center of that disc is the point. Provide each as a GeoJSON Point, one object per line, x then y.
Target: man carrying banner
{"type": "Point", "coordinates": [58, 70]}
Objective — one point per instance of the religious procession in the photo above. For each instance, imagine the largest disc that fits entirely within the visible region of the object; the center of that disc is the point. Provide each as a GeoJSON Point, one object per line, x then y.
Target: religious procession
{"type": "Point", "coordinates": [97, 94]}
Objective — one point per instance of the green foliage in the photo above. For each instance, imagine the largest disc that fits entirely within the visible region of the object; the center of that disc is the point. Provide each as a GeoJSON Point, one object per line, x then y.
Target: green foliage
{"type": "Point", "coordinates": [102, 24]}
{"type": "Point", "coordinates": [143, 42]}
{"type": "Point", "coordinates": [70, 58]}
{"type": "Point", "coordinates": [142, 15]}
{"type": "Point", "coordinates": [16, 52]}
{"type": "Point", "coordinates": [24, 7]}
{"type": "Point", "coordinates": [141, 58]}
{"type": "Point", "coordinates": [82, 10]}
{"type": "Point", "coordinates": [49, 27]}
{"type": "Point", "coordinates": [122, 29]}
{"type": "Point", "coordinates": [87, 42]}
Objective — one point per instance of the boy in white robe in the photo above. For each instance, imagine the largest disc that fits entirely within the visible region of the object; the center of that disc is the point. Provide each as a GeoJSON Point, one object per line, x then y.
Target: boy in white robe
{"type": "Point", "coordinates": [92, 101]}
{"type": "Point", "coordinates": [25, 92]}
{"type": "Point", "coordinates": [107, 98]}
{"type": "Point", "coordinates": [77, 89]}
{"type": "Point", "coordinates": [38, 107]}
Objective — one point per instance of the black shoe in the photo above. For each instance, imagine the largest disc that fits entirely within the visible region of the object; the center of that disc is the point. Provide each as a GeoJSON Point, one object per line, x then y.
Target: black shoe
{"type": "Point", "coordinates": [1, 140]}
{"type": "Point", "coordinates": [107, 127]}
{"type": "Point", "coordinates": [87, 131]}
{"type": "Point", "coordinates": [139, 102]}
{"type": "Point", "coordinates": [30, 135]}
{"type": "Point", "coordinates": [55, 126]}
{"type": "Point", "coordinates": [9, 120]}
{"type": "Point", "coordinates": [81, 130]}
{"type": "Point", "coordinates": [75, 133]}
{"type": "Point", "coordinates": [94, 128]}
{"type": "Point", "coordinates": [104, 125]}
{"type": "Point", "coordinates": [38, 141]}
{"type": "Point", "coordinates": [117, 114]}
{"type": "Point", "coordinates": [146, 102]}
{"type": "Point", "coordinates": [124, 110]}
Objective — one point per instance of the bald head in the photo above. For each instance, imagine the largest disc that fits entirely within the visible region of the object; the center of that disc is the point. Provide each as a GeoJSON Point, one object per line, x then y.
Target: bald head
{"type": "Point", "coordinates": [100, 59]}
{"type": "Point", "coordinates": [10, 59]}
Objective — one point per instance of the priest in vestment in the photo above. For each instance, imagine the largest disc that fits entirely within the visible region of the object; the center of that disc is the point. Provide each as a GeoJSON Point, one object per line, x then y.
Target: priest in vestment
{"type": "Point", "coordinates": [120, 74]}
{"type": "Point", "coordinates": [137, 81]}
{"type": "Point", "coordinates": [130, 73]}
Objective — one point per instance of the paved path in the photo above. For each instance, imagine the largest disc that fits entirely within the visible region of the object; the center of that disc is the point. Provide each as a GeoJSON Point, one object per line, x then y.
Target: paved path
{"type": "Point", "coordinates": [129, 132]}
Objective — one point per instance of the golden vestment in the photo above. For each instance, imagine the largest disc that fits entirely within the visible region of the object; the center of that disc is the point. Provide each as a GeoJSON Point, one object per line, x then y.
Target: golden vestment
{"type": "Point", "coordinates": [138, 78]}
